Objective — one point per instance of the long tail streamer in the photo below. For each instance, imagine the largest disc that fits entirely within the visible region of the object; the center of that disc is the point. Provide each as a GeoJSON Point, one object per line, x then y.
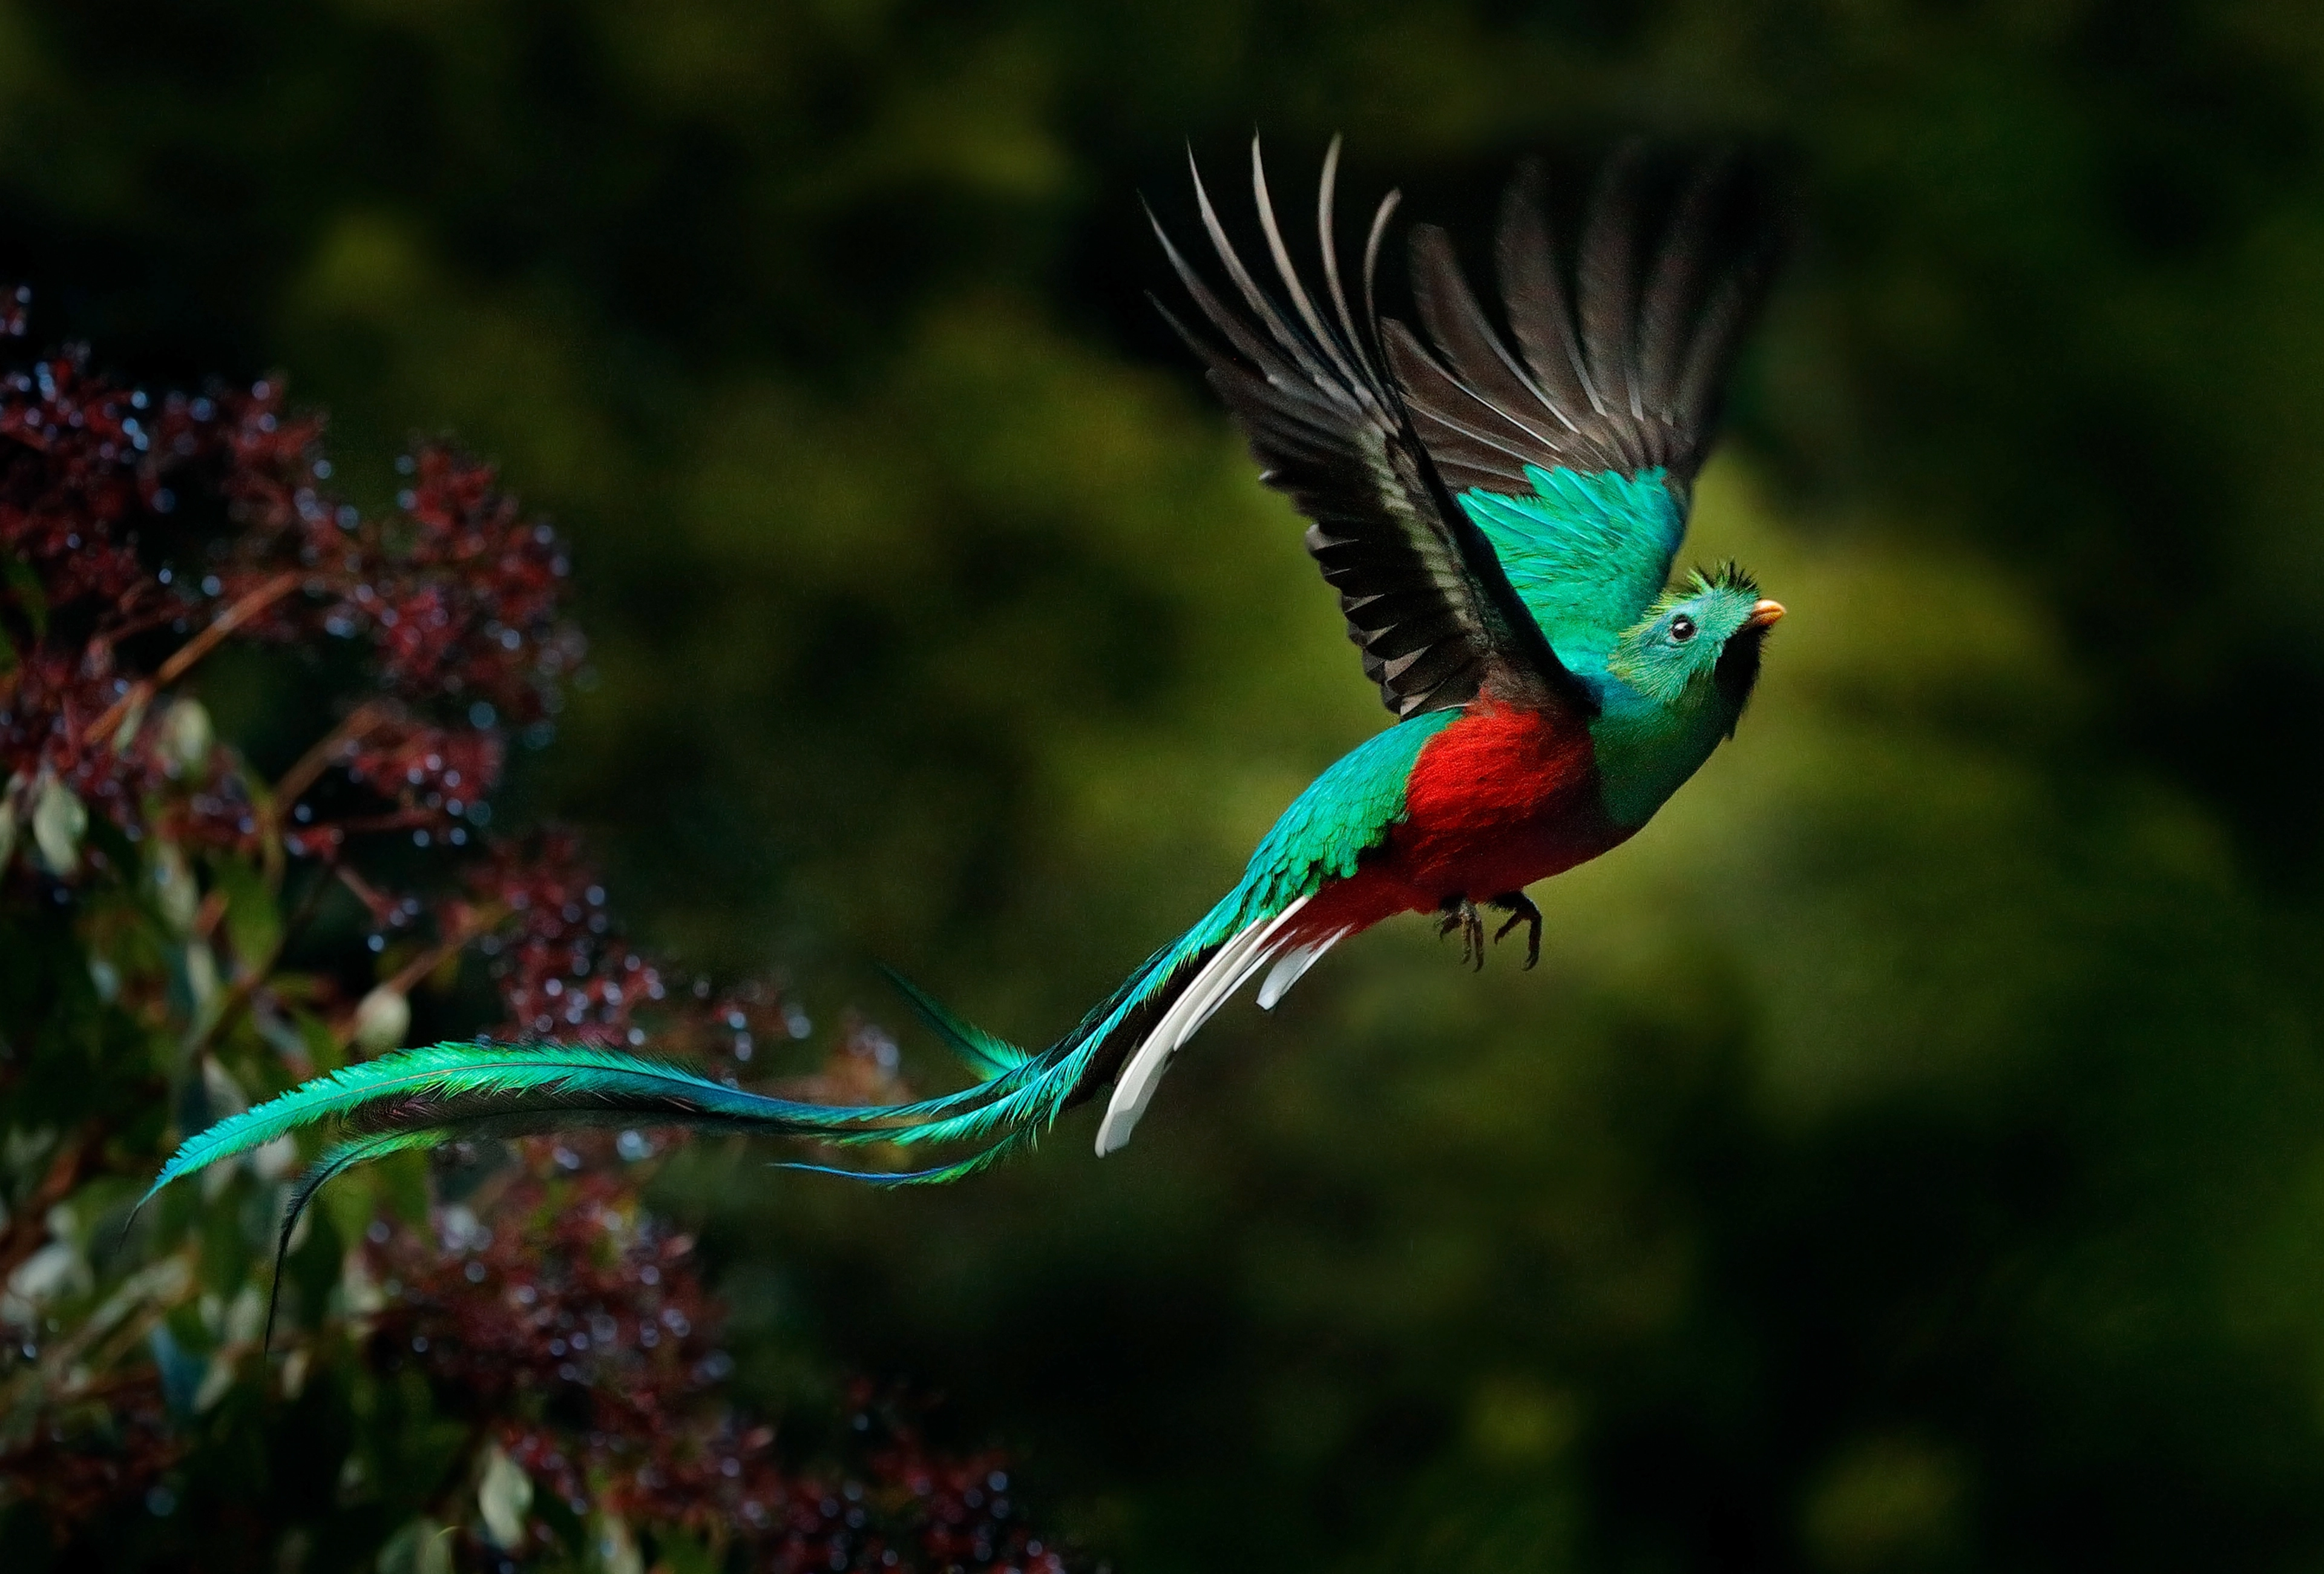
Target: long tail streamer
{"type": "Point", "coordinates": [444, 1093]}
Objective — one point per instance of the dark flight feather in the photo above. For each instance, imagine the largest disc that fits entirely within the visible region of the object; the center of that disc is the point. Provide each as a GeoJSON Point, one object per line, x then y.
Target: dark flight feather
{"type": "Point", "coordinates": [1426, 602]}
{"type": "Point", "coordinates": [1674, 288]}
{"type": "Point", "coordinates": [1622, 346]}
{"type": "Point", "coordinates": [1533, 289]}
{"type": "Point", "coordinates": [1604, 287]}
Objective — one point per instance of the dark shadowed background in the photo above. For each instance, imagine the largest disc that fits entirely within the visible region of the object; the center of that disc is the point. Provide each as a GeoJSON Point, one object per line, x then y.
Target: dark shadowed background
{"type": "Point", "coordinates": [1910, 1154]}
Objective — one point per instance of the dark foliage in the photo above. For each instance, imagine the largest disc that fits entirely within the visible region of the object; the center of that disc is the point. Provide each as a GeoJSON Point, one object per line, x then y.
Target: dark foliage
{"type": "Point", "coordinates": [441, 1368]}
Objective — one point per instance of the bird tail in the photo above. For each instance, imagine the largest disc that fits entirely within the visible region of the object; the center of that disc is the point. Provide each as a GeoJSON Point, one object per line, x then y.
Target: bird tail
{"type": "Point", "coordinates": [425, 1097]}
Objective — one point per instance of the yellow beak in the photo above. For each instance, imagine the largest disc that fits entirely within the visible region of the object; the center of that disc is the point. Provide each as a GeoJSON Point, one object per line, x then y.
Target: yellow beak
{"type": "Point", "coordinates": [1764, 614]}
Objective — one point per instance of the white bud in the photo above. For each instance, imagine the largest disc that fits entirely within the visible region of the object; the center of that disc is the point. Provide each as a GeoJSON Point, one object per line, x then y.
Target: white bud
{"type": "Point", "coordinates": [186, 736]}
{"type": "Point", "coordinates": [504, 1498]}
{"type": "Point", "coordinates": [382, 1019]}
{"type": "Point", "coordinates": [173, 886]}
{"type": "Point", "coordinates": [59, 819]}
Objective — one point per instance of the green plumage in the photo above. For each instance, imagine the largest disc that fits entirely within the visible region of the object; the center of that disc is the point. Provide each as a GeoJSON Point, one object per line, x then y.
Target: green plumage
{"type": "Point", "coordinates": [448, 1087]}
{"type": "Point", "coordinates": [423, 1097]}
{"type": "Point", "coordinates": [979, 1050]}
{"type": "Point", "coordinates": [1587, 551]}
{"type": "Point", "coordinates": [1343, 814]}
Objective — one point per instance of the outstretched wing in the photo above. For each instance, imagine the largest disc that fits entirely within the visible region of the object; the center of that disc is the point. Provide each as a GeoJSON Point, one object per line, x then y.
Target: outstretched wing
{"type": "Point", "coordinates": [1426, 599]}
{"type": "Point", "coordinates": [1576, 452]}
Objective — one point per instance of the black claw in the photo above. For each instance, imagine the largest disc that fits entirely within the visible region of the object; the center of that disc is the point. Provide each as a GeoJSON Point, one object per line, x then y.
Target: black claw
{"type": "Point", "coordinates": [1461, 913]}
{"type": "Point", "coordinates": [1521, 910]}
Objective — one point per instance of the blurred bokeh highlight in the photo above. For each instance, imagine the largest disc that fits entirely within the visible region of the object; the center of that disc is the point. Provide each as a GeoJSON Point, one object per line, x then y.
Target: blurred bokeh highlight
{"type": "Point", "coordinates": [1910, 1154]}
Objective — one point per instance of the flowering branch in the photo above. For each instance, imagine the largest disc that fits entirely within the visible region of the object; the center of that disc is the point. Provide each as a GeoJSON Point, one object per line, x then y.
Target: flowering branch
{"type": "Point", "coordinates": [562, 1327]}
{"type": "Point", "coordinates": [181, 663]}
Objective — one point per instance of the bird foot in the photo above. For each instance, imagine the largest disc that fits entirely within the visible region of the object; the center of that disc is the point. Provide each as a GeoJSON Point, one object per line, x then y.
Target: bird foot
{"type": "Point", "coordinates": [1521, 910]}
{"type": "Point", "coordinates": [1461, 913]}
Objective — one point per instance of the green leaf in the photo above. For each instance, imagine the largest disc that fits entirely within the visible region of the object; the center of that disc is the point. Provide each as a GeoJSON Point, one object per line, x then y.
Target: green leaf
{"type": "Point", "coordinates": [421, 1546]}
{"type": "Point", "coordinates": [30, 594]}
{"type": "Point", "coordinates": [613, 1550]}
{"type": "Point", "coordinates": [323, 1046]}
{"type": "Point", "coordinates": [254, 923]}
{"type": "Point", "coordinates": [185, 736]}
{"type": "Point", "coordinates": [352, 1204]}
{"type": "Point", "coordinates": [682, 1554]}
{"type": "Point", "coordinates": [182, 1370]}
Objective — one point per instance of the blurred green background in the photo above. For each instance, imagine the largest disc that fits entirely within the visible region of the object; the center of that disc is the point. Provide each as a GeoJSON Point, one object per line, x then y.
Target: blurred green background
{"type": "Point", "coordinates": [1910, 1154]}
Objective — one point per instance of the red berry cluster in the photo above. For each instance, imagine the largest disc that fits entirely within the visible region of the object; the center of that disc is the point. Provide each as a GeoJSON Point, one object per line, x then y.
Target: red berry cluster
{"type": "Point", "coordinates": [562, 968]}
{"type": "Point", "coordinates": [116, 1450]}
{"type": "Point", "coordinates": [456, 591]}
{"type": "Point", "coordinates": [82, 466]}
{"type": "Point", "coordinates": [565, 970]}
{"type": "Point", "coordinates": [137, 532]}
{"type": "Point", "coordinates": [437, 778]}
{"type": "Point", "coordinates": [577, 1329]}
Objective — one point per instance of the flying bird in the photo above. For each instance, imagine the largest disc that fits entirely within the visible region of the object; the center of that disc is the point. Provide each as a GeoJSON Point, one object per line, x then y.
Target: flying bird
{"type": "Point", "coordinates": [1498, 516]}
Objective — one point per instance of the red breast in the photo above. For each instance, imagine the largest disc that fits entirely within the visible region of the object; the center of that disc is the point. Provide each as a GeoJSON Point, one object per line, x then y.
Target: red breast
{"type": "Point", "coordinates": [1498, 799]}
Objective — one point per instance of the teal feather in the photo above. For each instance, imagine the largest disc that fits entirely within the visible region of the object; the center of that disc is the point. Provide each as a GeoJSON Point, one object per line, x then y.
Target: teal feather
{"type": "Point", "coordinates": [1587, 552]}
{"type": "Point", "coordinates": [1344, 813]}
{"type": "Point", "coordinates": [981, 1052]}
{"type": "Point", "coordinates": [454, 1086]}
{"type": "Point", "coordinates": [937, 1175]}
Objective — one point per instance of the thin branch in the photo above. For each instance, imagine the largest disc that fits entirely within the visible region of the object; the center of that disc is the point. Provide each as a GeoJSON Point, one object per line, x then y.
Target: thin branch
{"type": "Point", "coordinates": [194, 649]}
{"type": "Point", "coordinates": [474, 923]}
{"type": "Point", "coordinates": [327, 751]}
{"type": "Point", "coordinates": [29, 1229]}
{"type": "Point", "coordinates": [251, 977]}
{"type": "Point", "coordinates": [377, 905]}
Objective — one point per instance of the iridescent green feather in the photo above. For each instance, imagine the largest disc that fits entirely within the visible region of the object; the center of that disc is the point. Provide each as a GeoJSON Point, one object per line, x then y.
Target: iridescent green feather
{"type": "Point", "coordinates": [1344, 813]}
{"type": "Point", "coordinates": [981, 1052]}
{"type": "Point", "coordinates": [450, 1087]}
{"type": "Point", "coordinates": [1587, 551]}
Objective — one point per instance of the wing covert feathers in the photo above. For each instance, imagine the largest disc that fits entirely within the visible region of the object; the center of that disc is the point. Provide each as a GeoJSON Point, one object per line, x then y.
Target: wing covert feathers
{"type": "Point", "coordinates": [1622, 346]}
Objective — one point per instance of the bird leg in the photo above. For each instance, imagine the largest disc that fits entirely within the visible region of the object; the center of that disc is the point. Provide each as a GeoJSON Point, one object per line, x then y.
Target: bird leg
{"type": "Point", "coordinates": [1461, 913]}
{"type": "Point", "coordinates": [1521, 910]}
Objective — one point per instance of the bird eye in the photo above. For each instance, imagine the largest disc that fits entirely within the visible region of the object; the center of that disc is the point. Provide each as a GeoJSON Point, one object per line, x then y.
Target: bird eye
{"type": "Point", "coordinates": [1682, 629]}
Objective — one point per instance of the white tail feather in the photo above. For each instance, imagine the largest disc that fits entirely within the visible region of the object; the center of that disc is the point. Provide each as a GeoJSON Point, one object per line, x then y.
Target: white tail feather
{"type": "Point", "coordinates": [1218, 994]}
{"type": "Point", "coordinates": [1231, 967]}
{"type": "Point", "coordinates": [1292, 965]}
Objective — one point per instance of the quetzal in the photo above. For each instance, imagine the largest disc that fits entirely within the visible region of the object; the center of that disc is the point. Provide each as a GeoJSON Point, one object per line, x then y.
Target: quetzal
{"type": "Point", "coordinates": [1498, 522]}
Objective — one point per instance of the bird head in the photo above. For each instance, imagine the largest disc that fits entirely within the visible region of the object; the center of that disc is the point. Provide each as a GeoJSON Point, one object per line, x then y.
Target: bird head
{"type": "Point", "coordinates": [1698, 643]}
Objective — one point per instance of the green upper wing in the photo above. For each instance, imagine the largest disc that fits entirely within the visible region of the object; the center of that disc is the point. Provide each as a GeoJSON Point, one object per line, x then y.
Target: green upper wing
{"type": "Point", "coordinates": [1576, 452]}
{"type": "Point", "coordinates": [1586, 551]}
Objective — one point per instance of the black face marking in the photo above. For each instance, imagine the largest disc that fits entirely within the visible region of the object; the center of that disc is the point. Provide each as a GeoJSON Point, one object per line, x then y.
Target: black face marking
{"type": "Point", "coordinates": [1737, 671]}
{"type": "Point", "coordinates": [1682, 629]}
